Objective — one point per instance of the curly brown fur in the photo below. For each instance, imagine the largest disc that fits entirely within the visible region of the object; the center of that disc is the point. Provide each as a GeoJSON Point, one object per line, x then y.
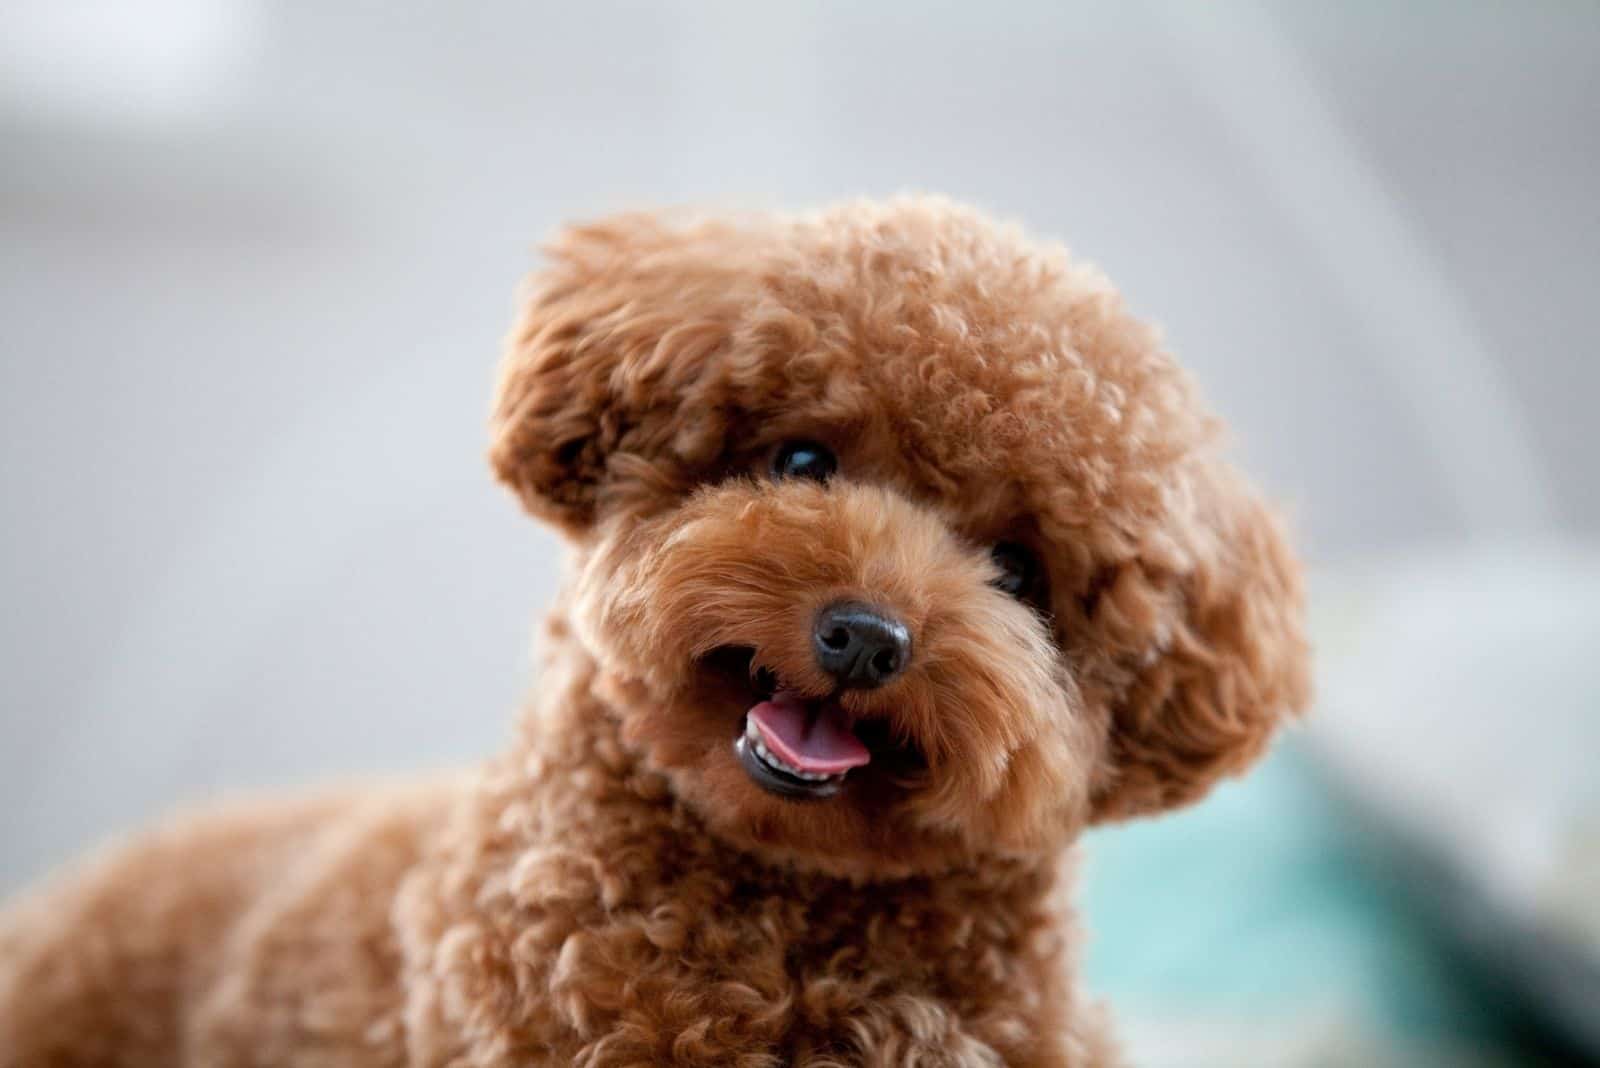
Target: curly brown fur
{"type": "Point", "coordinates": [615, 889]}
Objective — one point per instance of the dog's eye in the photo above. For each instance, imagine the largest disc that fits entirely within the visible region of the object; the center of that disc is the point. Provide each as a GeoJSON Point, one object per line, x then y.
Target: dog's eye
{"type": "Point", "coordinates": [1018, 569]}
{"type": "Point", "coordinates": [804, 459]}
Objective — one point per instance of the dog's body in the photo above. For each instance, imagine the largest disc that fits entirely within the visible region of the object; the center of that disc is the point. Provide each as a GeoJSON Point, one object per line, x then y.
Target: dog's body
{"type": "Point", "coordinates": [902, 554]}
{"type": "Point", "coordinates": [552, 911]}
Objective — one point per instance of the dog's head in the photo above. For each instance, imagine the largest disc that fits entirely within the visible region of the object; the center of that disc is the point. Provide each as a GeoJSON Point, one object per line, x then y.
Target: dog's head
{"type": "Point", "coordinates": [898, 540]}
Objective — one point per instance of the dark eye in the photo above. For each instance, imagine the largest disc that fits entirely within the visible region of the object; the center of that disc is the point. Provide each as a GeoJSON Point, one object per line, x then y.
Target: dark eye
{"type": "Point", "coordinates": [804, 459]}
{"type": "Point", "coordinates": [1018, 569]}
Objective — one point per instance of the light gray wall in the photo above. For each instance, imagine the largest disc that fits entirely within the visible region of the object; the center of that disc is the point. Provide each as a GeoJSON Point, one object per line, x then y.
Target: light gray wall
{"type": "Point", "coordinates": [255, 261]}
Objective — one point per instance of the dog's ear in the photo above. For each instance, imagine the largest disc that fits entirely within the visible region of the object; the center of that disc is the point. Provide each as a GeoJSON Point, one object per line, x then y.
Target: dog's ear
{"type": "Point", "coordinates": [609, 339]}
{"type": "Point", "coordinates": [1204, 631]}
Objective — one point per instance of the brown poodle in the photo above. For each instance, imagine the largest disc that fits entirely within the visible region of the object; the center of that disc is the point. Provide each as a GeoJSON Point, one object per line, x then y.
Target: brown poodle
{"type": "Point", "coordinates": [901, 554]}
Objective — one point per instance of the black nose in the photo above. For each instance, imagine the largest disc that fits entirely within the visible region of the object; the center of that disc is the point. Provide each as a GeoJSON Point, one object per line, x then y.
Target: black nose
{"type": "Point", "coordinates": [860, 646]}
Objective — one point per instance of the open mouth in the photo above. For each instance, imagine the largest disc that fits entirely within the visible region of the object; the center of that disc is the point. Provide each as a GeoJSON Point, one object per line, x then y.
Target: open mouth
{"type": "Point", "coordinates": [797, 748]}
{"type": "Point", "coordinates": [790, 745]}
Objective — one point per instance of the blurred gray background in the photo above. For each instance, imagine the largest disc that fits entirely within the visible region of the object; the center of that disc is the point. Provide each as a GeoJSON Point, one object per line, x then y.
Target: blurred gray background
{"type": "Point", "coordinates": [256, 260]}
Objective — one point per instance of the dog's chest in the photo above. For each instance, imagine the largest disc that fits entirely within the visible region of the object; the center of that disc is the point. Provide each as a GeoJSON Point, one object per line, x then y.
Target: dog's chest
{"type": "Point", "coordinates": [625, 941]}
{"type": "Point", "coordinates": [708, 969]}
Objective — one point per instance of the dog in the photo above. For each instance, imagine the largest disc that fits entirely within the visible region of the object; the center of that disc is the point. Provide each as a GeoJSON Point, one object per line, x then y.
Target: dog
{"type": "Point", "coordinates": [901, 554]}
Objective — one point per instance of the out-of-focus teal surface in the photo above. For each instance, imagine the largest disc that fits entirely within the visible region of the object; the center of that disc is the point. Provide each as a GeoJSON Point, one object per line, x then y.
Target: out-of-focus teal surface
{"type": "Point", "coordinates": [1250, 930]}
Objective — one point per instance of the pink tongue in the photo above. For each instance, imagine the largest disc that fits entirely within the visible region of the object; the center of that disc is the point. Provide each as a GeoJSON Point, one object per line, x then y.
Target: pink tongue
{"type": "Point", "coordinates": [821, 743]}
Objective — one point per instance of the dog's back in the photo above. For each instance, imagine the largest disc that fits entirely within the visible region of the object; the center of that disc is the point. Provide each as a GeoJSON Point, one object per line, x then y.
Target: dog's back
{"type": "Point", "coordinates": [251, 934]}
